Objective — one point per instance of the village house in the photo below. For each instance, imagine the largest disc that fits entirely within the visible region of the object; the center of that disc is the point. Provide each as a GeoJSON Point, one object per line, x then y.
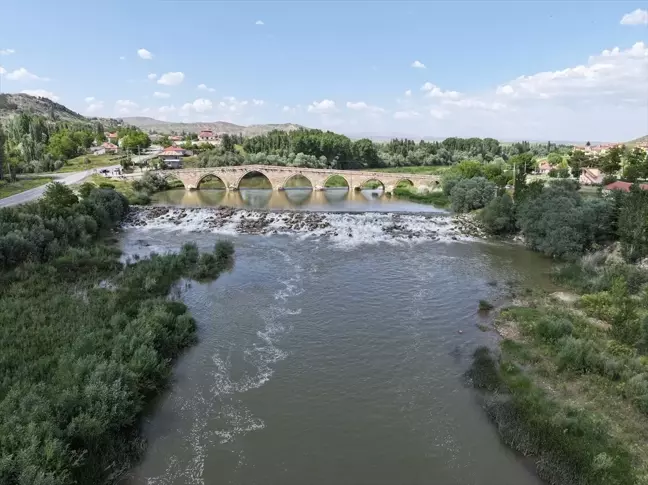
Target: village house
{"type": "Point", "coordinates": [590, 176]}
{"type": "Point", "coordinates": [109, 147]}
{"type": "Point", "coordinates": [622, 186]}
{"type": "Point", "coordinates": [544, 167]}
{"type": "Point", "coordinates": [111, 137]}
{"type": "Point", "coordinates": [172, 157]}
{"type": "Point", "coordinates": [207, 135]}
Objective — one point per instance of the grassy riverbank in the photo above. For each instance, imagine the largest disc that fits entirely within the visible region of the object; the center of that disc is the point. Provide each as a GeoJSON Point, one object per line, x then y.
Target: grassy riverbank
{"type": "Point", "coordinates": [569, 385]}
{"type": "Point", "coordinates": [88, 162]}
{"type": "Point", "coordinates": [8, 189]}
{"type": "Point", "coordinates": [86, 341]}
{"type": "Point", "coordinates": [436, 198]}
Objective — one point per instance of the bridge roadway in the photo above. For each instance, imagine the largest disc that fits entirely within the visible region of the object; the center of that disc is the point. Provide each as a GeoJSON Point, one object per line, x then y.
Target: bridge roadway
{"type": "Point", "coordinates": [279, 176]}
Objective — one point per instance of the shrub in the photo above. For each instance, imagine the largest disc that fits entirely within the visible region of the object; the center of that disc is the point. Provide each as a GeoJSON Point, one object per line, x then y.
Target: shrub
{"type": "Point", "coordinates": [471, 194]}
{"type": "Point", "coordinates": [551, 330]}
{"type": "Point", "coordinates": [498, 217]}
{"type": "Point", "coordinates": [485, 306]}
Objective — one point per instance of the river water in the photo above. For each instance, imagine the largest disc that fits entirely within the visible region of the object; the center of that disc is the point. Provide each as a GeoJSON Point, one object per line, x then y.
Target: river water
{"type": "Point", "coordinates": [294, 199]}
{"type": "Point", "coordinates": [325, 360]}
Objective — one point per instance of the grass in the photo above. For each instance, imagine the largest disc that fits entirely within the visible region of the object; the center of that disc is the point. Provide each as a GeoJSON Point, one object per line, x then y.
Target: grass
{"type": "Point", "coordinates": [79, 164]}
{"type": "Point", "coordinates": [569, 387]}
{"type": "Point", "coordinates": [8, 189]}
{"type": "Point", "coordinates": [436, 198]}
{"type": "Point", "coordinates": [122, 186]}
{"type": "Point", "coordinates": [426, 170]}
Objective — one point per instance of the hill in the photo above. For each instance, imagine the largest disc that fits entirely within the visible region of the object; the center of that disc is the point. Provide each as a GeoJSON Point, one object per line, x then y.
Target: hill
{"type": "Point", "coordinates": [641, 139]}
{"type": "Point", "coordinates": [168, 127]}
{"type": "Point", "coordinates": [11, 104]}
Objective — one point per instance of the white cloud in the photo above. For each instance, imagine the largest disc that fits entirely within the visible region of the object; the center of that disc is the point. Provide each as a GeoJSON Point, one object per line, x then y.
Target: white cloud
{"type": "Point", "coordinates": [41, 93]}
{"type": "Point", "coordinates": [2, 71]}
{"type": "Point", "coordinates": [418, 65]}
{"type": "Point", "coordinates": [476, 104]}
{"type": "Point", "coordinates": [145, 54]}
{"type": "Point", "coordinates": [433, 91]}
{"type": "Point", "coordinates": [7, 52]}
{"type": "Point", "coordinates": [89, 99]}
{"type": "Point", "coordinates": [611, 73]}
{"type": "Point", "coordinates": [259, 22]}
{"type": "Point", "coordinates": [258, 102]}
{"type": "Point", "coordinates": [23, 74]}
{"type": "Point", "coordinates": [158, 94]}
{"type": "Point", "coordinates": [362, 106]}
{"type": "Point", "coordinates": [408, 93]}
{"type": "Point", "coordinates": [124, 106]}
{"type": "Point", "coordinates": [406, 115]}
{"type": "Point", "coordinates": [204, 87]}
{"type": "Point", "coordinates": [439, 114]}
{"type": "Point", "coordinates": [152, 76]}
{"type": "Point", "coordinates": [167, 109]}
{"type": "Point", "coordinates": [288, 109]}
{"type": "Point", "coordinates": [638, 17]}
{"type": "Point", "coordinates": [200, 105]}
{"type": "Point", "coordinates": [171, 78]}
{"type": "Point", "coordinates": [232, 105]}
{"type": "Point", "coordinates": [122, 58]}
{"type": "Point", "coordinates": [94, 107]}
{"type": "Point", "coordinates": [324, 106]}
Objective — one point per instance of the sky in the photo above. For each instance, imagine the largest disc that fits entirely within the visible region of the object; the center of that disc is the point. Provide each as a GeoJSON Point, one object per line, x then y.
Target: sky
{"type": "Point", "coordinates": [535, 70]}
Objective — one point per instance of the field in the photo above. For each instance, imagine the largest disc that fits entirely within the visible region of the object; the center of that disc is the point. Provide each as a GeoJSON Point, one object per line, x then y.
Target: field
{"type": "Point", "coordinates": [11, 188]}
{"type": "Point", "coordinates": [78, 164]}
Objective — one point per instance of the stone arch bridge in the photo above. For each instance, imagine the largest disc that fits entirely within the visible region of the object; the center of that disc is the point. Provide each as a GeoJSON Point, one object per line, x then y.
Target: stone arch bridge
{"type": "Point", "coordinates": [279, 176]}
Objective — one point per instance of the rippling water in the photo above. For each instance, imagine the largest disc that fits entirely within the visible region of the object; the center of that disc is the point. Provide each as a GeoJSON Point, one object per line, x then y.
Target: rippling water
{"type": "Point", "coordinates": [327, 363]}
{"type": "Point", "coordinates": [329, 200]}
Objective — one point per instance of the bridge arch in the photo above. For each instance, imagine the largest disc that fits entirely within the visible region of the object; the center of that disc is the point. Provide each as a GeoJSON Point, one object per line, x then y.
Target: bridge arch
{"type": "Point", "coordinates": [211, 181]}
{"type": "Point", "coordinates": [298, 174]}
{"type": "Point", "coordinates": [247, 173]}
{"type": "Point", "coordinates": [337, 176]}
{"type": "Point", "coordinates": [173, 181]}
{"type": "Point", "coordinates": [409, 181]}
{"type": "Point", "coordinates": [366, 181]}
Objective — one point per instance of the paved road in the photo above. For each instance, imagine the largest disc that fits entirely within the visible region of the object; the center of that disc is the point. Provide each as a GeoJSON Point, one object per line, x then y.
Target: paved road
{"type": "Point", "coordinates": [31, 194]}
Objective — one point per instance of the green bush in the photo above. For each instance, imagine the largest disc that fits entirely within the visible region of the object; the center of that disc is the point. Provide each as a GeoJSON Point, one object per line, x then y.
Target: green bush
{"type": "Point", "coordinates": [471, 194]}
{"type": "Point", "coordinates": [551, 330]}
{"type": "Point", "coordinates": [498, 217]}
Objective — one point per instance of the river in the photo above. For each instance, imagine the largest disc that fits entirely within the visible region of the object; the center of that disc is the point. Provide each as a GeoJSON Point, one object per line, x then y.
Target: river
{"type": "Point", "coordinates": [325, 360]}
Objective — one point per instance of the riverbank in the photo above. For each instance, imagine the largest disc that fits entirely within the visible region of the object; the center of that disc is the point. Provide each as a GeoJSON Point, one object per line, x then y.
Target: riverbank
{"type": "Point", "coordinates": [87, 341]}
{"type": "Point", "coordinates": [567, 386]}
{"type": "Point", "coordinates": [348, 227]}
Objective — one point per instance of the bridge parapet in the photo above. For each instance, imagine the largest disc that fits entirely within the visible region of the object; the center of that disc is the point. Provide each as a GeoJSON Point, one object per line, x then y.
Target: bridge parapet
{"type": "Point", "coordinates": [279, 176]}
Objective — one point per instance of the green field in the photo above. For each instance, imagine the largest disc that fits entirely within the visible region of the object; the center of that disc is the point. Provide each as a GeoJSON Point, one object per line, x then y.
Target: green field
{"type": "Point", "coordinates": [79, 164]}
{"type": "Point", "coordinates": [11, 188]}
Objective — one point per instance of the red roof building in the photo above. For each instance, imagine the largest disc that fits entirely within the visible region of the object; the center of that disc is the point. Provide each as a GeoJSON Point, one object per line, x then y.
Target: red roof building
{"type": "Point", "coordinates": [109, 146]}
{"type": "Point", "coordinates": [623, 186]}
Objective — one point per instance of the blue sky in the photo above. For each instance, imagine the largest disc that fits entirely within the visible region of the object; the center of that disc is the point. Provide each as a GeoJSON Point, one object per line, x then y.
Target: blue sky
{"type": "Point", "coordinates": [511, 70]}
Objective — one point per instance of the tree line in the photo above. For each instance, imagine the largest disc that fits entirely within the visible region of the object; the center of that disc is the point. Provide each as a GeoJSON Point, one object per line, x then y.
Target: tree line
{"type": "Point", "coordinates": [32, 143]}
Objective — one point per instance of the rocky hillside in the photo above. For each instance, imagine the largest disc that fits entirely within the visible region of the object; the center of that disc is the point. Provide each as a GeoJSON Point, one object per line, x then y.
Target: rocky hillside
{"type": "Point", "coordinates": [168, 127]}
{"type": "Point", "coordinates": [11, 104]}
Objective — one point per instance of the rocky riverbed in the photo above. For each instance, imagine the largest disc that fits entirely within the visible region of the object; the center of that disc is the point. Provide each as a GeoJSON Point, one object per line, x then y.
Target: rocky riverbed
{"type": "Point", "coordinates": [366, 227]}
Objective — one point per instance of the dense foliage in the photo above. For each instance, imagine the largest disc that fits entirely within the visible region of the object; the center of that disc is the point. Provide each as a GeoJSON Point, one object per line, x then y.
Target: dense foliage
{"type": "Point", "coordinates": [471, 193]}
{"type": "Point", "coordinates": [498, 217]}
{"type": "Point", "coordinates": [85, 340]}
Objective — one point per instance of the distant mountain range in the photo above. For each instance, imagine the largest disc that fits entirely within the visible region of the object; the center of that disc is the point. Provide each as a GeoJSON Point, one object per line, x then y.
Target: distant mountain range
{"type": "Point", "coordinates": [11, 104]}
{"type": "Point", "coordinates": [151, 124]}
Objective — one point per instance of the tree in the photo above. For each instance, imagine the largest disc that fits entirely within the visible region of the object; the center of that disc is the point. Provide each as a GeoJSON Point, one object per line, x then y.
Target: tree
{"type": "Point", "coordinates": [135, 140]}
{"type": "Point", "coordinates": [187, 145]}
{"type": "Point", "coordinates": [165, 141]}
{"type": "Point", "coordinates": [554, 158]}
{"type": "Point", "coordinates": [471, 194]}
{"type": "Point", "coordinates": [577, 161]}
{"type": "Point", "coordinates": [611, 162]}
{"type": "Point", "coordinates": [58, 196]}
{"type": "Point", "coordinates": [100, 137]}
{"type": "Point", "coordinates": [227, 143]}
{"type": "Point", "coordinates": [2, 152]}
{"type": "Point", "coordinates": [365, 152]}
{"type": "Point", "coordinates": [62, 146]}
{"type": "Point", "coordinates": [498, 217]}
{"type": "Point", "coordinates": [633, 224]}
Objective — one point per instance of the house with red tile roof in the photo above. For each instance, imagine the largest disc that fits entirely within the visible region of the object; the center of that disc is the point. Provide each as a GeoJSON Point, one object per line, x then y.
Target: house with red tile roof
{"type": "Point", "coordinates": [172, 156]}
{"type": "Point", "coordinates": [622, 186]}
{"type": "Point", "coordinates": [590, 176]}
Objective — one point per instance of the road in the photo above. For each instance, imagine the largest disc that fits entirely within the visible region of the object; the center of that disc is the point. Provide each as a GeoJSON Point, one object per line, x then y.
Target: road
{"type": "Point", "coordinates": [32, 194]}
